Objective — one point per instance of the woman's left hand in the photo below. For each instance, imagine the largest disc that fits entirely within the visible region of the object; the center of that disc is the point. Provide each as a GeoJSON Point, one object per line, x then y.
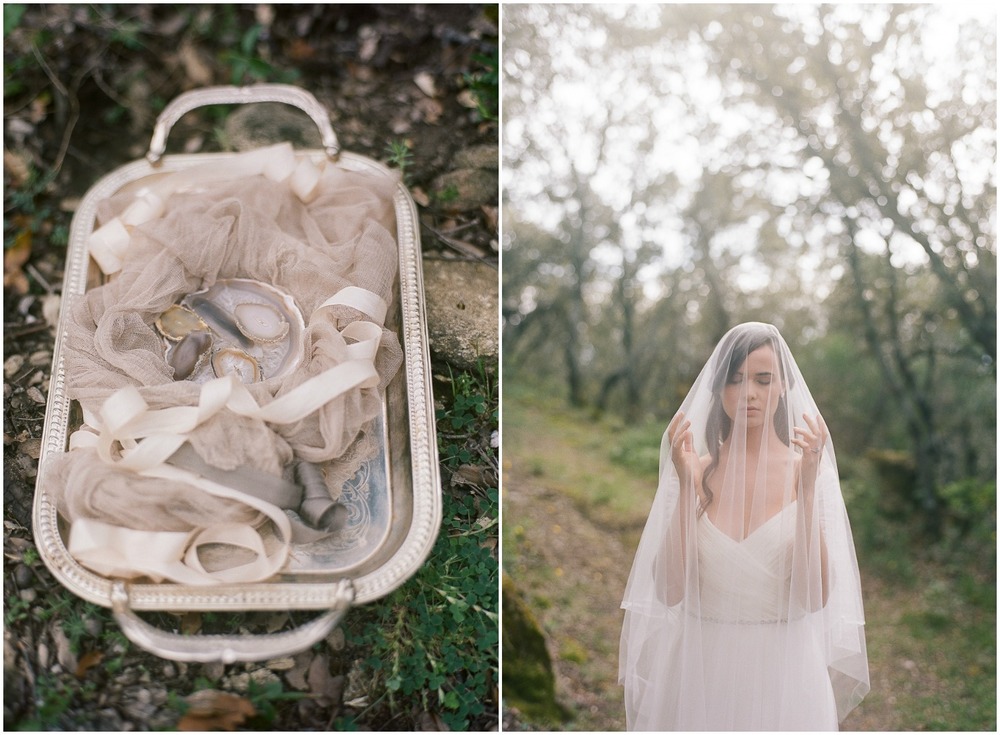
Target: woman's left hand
{"type": "Point", "coordinates": [811, 440]}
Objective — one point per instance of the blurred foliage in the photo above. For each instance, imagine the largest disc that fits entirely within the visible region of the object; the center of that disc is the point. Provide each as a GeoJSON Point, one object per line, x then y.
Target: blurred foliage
{"type": "Point", "coordinates": [484, 84]}
{"type": "Point", "coordinates": [820, 168]}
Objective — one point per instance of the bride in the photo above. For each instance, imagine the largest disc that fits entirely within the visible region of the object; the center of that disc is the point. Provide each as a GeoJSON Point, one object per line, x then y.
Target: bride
{"type": "Point", "coordinates": [743, 608]}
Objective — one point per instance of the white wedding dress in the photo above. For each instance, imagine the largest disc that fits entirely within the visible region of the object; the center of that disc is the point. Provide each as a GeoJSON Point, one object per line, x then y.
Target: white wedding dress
{"type": "Point", "coordinates": [746, 636]}
{"type": "Point", "coordinates": [738, 616]}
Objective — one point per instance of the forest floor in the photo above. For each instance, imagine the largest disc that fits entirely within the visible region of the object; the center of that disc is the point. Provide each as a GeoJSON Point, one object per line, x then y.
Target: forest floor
{"type": "Point", "coordinates": [411, 85]}
{"type": "Point", "coordinates": [568, 544]}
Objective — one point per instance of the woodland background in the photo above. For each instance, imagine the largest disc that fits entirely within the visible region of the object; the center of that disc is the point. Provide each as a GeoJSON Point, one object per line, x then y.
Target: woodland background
{"type": "Point", "coordinates": [671, 171]}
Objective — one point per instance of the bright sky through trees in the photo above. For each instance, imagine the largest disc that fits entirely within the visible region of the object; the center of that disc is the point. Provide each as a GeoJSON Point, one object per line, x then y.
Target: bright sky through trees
{"type": "Point", "coordinates": [652, 99]}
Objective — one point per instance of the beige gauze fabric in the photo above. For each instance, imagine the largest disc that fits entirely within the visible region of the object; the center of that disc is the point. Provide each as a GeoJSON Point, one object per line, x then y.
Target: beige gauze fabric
{"type": "Point", "coordinates": [248, 227]}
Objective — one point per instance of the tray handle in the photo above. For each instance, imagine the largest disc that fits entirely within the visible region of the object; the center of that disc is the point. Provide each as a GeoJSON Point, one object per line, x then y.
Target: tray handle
{"type": "Point", "coordinates": [226, 648]}
{"type": "Point", "coordinates": [228, 95]}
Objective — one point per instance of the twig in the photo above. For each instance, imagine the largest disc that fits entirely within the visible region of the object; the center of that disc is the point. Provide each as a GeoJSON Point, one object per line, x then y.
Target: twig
{"type": "Point", "coordinates": [460, 247]}
{"type": "Point", "coordinates": [74, 102]}
{"type": "Point", "coordinates": [38, 277]}
{"type": "Point", "coordinates": [40, 326]}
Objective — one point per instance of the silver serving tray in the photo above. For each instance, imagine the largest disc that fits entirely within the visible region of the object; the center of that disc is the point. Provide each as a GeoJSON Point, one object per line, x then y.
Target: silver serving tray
{"type": "Point", "coordinates": [394, 501]}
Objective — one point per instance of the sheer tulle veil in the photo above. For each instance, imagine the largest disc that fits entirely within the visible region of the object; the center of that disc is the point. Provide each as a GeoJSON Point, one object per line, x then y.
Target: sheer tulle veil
{"type": "Point", "coordinates": [743, 608]}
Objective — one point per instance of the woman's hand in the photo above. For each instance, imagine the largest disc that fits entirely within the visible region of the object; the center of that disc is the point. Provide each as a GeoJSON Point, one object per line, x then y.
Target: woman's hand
{"type": "Point", "coordinates": [682, 453]}
{"type": "Point", "coordinates": [811, 439]}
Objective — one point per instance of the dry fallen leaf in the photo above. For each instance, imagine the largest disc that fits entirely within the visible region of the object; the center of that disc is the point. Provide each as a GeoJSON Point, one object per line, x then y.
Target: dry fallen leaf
{"type": "Point", "coordinates": [466, 98]}
{"type": "Point", "coordinates": [191, 623]}
{"type": "Point", "coordinates": [420, 196]}
{"type": "Point", "coordinates": [13, 258]}
{"type": "Point", "coordinates": [468, 474]}
{"type": "Point", "coordinates": [16, 167]}
{"type": "Point", "coordinates": [300, 50]}
{"type": "Point", "coordinates": [88, 661]}
{"type": "Point", "coordinates": [276, 621]}
{"type": "Point", "coordinates": [430, 110]}
{"type": "Point", "coordinates": [491, 216]}
{"type": "Point", "coordinates": [210, 709]}
{"type": "Point", "coordinates": [296, 678]}
{"type": "Point", "coordinates": [194, 66]}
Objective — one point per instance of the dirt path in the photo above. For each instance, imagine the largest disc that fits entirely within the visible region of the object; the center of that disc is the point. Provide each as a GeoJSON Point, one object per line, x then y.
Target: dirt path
{"type": "Point", "coordinates": [571, 520]}
{"type": "Point", "coordinates": [573, 574]}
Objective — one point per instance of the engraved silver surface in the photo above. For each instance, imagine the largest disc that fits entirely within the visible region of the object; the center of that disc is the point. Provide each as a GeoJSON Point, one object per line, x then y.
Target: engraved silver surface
{"type": "Point", "coordinates": [390, 550]}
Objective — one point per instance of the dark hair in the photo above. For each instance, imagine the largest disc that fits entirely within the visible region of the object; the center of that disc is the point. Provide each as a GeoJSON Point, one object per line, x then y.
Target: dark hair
{"type": "Point", "coordinates": [736, 346]}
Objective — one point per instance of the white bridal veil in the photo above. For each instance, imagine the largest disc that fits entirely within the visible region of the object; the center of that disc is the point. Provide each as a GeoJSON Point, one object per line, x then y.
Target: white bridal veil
{"type": "Point", "coordinates": [743, 608]}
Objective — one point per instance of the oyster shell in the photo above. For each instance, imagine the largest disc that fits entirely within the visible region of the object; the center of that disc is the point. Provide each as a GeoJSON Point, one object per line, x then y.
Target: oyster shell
{"type": "Point", "coordinates": [260, 322]}
{"type": "Point", "coordinates": [188, 354]}
{"type": "Point", "coordinates": [234, 360]}
{"type": "Point", "coordinates": [178, 321]}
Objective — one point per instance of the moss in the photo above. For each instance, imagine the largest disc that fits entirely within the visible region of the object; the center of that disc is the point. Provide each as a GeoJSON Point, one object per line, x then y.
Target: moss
{"type": "Point", "coordinates": [528, 680]}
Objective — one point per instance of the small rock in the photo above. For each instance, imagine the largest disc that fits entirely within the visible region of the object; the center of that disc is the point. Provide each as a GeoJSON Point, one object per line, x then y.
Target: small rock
{"type": "Point", "coordinates": [336, 640]}
{"type": "Point", "coordinates": [127, 677]}
{"type": "Point", "coordinates": [32, 446]}
{"type": "Point", "coordinates": [111, 720]}
{"type": "Point", "coordinates": [213, 671]}
{"type": "Point", "coordinates": [64, 650]}
{"type": "Point", "coordinates": [23, 575]}
{"type": "Point", "coordinates": [138, 705]}
{"type": "Point", "coordinates": [93, 626]}
{"type": "Point", "coordinates": [42, 358]}
{"type": "Point", "coordinates": [28, 595]}
{"type": "Point", "coordinates": [12, 365]}
{"type": "Point", "coordinates": [465, 189]}
{"type": "Point", "coordinates": [425, 82]}
{"type": "Point", "coordinates": [241, 682]}
{"type": "Point", "coordinates": [462, 312]}
{"type": "Point", "coordinates": [484, 157]}
{"type": "Point", "coordinates": [28, 465]}
{"type": "Point", "coordinates": [169, 672]}
{"type": "Point", "coordinates": [280, 664]}
{"type": "Point", "coordinates": [267, 123]}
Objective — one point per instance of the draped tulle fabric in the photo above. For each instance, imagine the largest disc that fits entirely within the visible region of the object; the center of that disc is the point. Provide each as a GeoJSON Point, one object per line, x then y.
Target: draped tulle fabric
{"type": "Point", "coordinates": [333, 252]}
{"type": "Point", "coordinates": [743, 608]}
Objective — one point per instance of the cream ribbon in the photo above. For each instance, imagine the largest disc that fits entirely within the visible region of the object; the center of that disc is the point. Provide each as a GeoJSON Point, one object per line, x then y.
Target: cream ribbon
{"type": "Point", "coordinates": [109, 243]}
{"type": "Point", "coordinates": [128, 435]}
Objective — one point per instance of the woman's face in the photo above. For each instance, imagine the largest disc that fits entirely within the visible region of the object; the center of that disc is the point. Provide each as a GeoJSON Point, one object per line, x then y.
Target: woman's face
{"type": "Point", "coordinates": [753, 390]}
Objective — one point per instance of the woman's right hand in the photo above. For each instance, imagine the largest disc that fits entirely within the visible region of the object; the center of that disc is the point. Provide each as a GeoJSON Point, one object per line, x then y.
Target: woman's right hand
{"type": "Point", "coordinates": [682, 453]}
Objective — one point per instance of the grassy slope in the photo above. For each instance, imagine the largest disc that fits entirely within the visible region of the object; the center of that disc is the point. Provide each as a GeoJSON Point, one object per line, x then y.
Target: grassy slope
{"type": "Point", "coordinates": [931, 633]}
